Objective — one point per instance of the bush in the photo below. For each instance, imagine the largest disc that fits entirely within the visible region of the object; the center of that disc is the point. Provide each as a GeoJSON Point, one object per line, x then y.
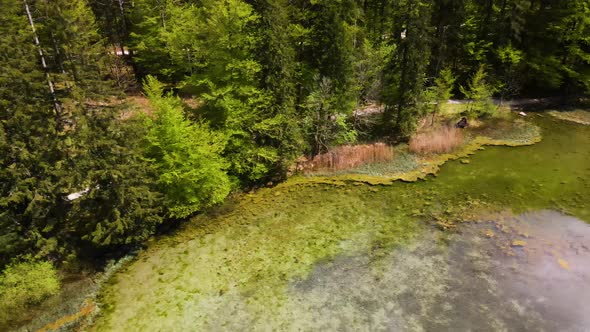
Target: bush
{"type": "Point", "coordinates": [26, 283]}
{"type": "Point", "coordinates": [441, 140]}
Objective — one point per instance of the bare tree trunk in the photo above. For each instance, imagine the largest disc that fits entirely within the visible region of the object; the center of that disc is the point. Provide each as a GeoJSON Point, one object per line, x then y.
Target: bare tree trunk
{"type": "Point", "coordinates": [162, 14]}
{"type": "Point", "coordinates": [123, 25]}
{"type": "Point", "coordinates": [434, 114]}
{"type": "Point", "coordinates": [56, 106]}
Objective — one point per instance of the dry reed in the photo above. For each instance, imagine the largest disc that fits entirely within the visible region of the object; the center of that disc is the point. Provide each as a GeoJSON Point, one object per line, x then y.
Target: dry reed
{"type": "Point", "coordinates": [439, 140]}
{"type": "Point", "coordinates": [348, 156]}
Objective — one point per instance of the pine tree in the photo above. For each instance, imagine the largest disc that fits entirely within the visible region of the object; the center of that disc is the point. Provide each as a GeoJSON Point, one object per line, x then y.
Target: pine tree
{"type": "Point", "coordinates": [121, 203]}
{"type": "Point", "coordinates": [48, 155]}
{"type": "Point", "coordinates": [111, 18]}
{"type": "Point", "coordinates": [279, 73]}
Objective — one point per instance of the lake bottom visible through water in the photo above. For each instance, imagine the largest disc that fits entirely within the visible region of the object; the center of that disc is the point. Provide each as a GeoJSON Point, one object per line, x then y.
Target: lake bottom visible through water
{"type": "Point", "coordinates": [528, 272]}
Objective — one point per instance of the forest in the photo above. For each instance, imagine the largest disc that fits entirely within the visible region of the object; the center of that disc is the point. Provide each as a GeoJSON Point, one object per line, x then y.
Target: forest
{"type": "Point", "coordinates": [121, 119]}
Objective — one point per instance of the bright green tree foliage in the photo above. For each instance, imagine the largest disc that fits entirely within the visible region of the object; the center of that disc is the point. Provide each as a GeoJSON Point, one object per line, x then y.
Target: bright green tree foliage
{"type": "Point", "coordinates": [149, 20]}
{"type": "Point", "coordinates": [215, 44]}
{"type": "Point", "coordinates": [191, 172]}
{"type": "Point", "coordinates": [23, 284]}
{"type": "Point", "coordinates": [479, 92]}
{"type": "Point", "coordinates": [440, 92]}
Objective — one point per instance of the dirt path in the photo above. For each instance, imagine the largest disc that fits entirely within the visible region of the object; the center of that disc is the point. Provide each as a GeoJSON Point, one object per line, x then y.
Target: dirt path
{"type": "Point", "coordinates": [373, 108]}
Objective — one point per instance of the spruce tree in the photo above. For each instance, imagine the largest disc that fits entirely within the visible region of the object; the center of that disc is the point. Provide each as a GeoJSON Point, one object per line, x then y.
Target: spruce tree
{"type": "Point", "coordinates": [27, 135]}
{"type": "Point", "coordinates": [406, 68]}
{"type": "Point", "coordinates": [280, 75]}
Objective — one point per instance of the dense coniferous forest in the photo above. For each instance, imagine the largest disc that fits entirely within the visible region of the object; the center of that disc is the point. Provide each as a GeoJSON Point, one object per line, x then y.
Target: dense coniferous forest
{"type": "Point", "coordinates": [236, 91]}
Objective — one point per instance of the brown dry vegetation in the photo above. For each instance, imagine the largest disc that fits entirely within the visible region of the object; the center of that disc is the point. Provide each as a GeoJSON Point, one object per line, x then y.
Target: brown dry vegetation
{"type": "Point", "coordinates": [438, 140]}
{"type": "Point", "coordinates": [347, 157]}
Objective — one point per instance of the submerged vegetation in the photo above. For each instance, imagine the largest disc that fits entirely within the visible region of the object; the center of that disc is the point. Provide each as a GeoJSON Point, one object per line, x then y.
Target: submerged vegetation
{"type": "Point", "coordinates": [243, 264]}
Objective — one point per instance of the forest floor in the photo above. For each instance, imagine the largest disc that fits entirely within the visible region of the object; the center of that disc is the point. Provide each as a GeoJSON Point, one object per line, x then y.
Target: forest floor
{"type": "Point", "coordinates": [454, 105]}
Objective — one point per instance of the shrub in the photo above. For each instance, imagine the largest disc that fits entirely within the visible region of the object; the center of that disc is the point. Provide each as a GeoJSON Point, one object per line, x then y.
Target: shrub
{"type": "Point", "coordinates": [350, 156]}
{"type": "Point", "coordinates": [440, 140]}
{"type": "Point", "coordinates": [26, 283]}
{"type": "Point", "coordinates": [480, 93]}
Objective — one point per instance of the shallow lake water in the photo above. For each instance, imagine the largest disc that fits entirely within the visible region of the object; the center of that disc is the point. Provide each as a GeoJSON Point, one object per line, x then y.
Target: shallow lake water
{"type": "Point", "coordinates": [357, 257]}
{"type": "Point", "coordinates": [525, 273]}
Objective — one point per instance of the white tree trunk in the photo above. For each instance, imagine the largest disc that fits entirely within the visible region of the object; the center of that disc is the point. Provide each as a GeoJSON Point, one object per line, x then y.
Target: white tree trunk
{"type": "Point", "coordinates": [43, 63]}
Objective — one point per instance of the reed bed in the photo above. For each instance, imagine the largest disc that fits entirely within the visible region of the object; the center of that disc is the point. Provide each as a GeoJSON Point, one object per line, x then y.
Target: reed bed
{"type": "Point", "coordinates": [439, 140]}
{"type": "Point", "coordinates": [348, 157]}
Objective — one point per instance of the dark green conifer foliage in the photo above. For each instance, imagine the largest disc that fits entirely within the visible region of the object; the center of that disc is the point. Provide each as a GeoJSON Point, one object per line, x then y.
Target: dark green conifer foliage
{"type": "Point", "coordinates": [75, 51]}
{"type": "Point", "coordinates": [48, 155]}
{"type": "Point", "coordinates": [280, 78]}
{"type": "Point", "coordinates": [27, 133]}
{"type": "Point", "coordinates": [121, 204]}
{"type": "Point", "coordinates": [558, 50]}
{"type": "Point", "coordinates": [406, 69]}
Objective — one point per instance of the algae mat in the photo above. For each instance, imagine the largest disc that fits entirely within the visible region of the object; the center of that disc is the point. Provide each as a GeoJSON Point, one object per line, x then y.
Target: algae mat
{"type": "Point", "coordinates": [359, 257]}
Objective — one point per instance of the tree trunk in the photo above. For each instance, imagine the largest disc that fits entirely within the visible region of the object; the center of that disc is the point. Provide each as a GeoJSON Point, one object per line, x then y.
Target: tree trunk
{"type": "Point", "coordinates": [123, 26]}
{"type": "Point", "coordinates": [56, 106]}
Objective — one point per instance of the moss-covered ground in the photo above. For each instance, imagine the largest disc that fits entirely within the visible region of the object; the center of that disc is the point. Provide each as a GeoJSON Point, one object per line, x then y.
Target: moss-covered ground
{"type": "Point", "coordinates": [245, 266]}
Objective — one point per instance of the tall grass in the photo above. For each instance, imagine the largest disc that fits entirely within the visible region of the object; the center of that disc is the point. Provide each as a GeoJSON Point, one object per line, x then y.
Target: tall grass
{"type": "Point", "coordinates": [347, 157]}
{"type": "Point", "coordinates": [438, 140]}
